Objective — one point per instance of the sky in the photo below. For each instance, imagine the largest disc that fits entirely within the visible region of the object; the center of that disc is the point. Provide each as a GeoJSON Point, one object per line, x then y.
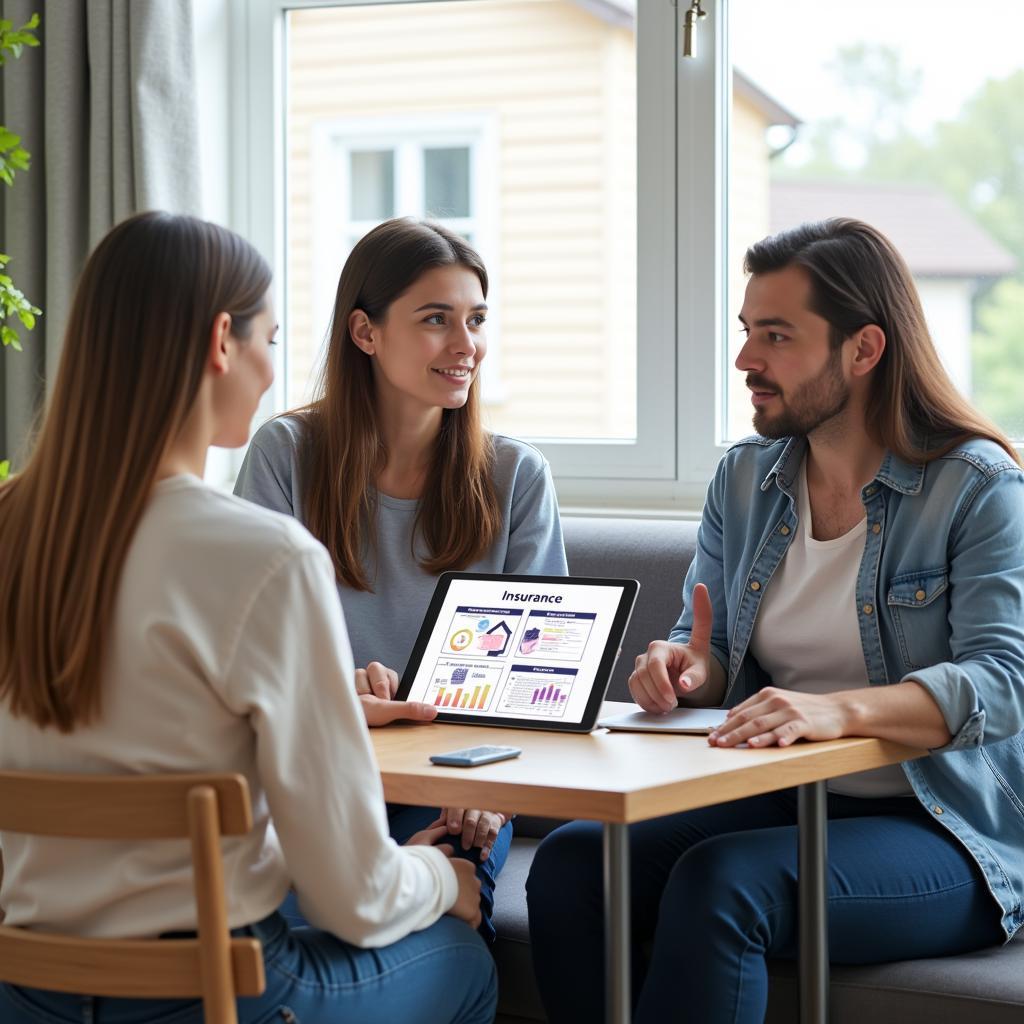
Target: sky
{"type": "Point", "coordinates": [783, 46]}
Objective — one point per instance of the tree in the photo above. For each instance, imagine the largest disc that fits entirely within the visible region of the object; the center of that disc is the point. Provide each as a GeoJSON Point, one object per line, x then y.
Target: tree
{"type": "Point", "coordinates": [998, 352]}
{"type": "Point", "coordinates": [979, 159]}
{"type": "Point", "coordinates": [13, 158]}
{"type": "Point", "coordinates": [879, 95]}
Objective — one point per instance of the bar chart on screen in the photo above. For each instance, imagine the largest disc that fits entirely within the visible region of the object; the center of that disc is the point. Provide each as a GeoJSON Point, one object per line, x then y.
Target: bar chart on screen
{"type": "Point", "coordinates": [474, 699]}
{"type": "Point", "coordinates": [462, 685]}
{"type": "Point", "coordinates": [549, 695]}
{"type": "Point", "coordinates": [539, 690]}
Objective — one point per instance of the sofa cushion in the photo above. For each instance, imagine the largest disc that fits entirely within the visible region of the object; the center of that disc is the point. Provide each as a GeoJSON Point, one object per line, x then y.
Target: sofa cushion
{"type": "Point", "coordinates": [985, 987]}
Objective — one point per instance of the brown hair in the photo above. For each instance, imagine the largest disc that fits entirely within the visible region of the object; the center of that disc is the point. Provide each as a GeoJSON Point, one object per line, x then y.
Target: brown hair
{"type": "Point", "coordinates": [858, 278]}
{"type": "Point", "coordinates": [134, 352]}
{"type": "Point", "coordinates": [343, 451]}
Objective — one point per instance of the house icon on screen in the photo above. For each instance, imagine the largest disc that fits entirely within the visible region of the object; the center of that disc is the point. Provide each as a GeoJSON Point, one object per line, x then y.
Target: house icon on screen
{"type": "Point", "coordinates": [495, 631]}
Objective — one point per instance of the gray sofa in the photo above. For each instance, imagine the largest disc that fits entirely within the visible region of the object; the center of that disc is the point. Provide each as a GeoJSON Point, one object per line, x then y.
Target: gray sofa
{"type": "Point", "coordinates": [982, 988]}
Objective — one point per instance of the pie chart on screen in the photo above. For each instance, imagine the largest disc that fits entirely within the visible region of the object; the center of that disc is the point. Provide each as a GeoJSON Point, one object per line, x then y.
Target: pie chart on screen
{"type": "Point", "coordinates": [461, 639]}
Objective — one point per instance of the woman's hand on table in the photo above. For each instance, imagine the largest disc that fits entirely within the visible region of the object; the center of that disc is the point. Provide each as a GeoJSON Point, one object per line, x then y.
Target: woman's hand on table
{"type": "Point", "coordinates": [377, 685]}
{"type": "Point", "coordinates": [477, 828]}
{"type": "Point", "coordinates": [774, 717]}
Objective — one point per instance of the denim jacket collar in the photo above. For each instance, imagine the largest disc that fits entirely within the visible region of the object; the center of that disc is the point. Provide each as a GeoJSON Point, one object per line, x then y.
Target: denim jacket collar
{"type": "Point", "coordinates": [905, 477]}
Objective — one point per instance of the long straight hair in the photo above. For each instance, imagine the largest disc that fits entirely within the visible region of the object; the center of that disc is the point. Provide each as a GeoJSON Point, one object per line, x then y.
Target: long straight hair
{"type": "Point", "coordinates": [858, 278]}
{"type": "Point", "coordinates": [134, 352]}
{"type": "Point", "coordinates": [343, 451]}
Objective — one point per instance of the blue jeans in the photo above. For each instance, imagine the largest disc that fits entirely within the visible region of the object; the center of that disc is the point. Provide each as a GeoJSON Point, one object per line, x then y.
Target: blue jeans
{"type": "Point", "coordinates": [713, 895]}
{"type": "Point", "coordinates": [441, 975]}
{"type": "Point", "coordinates": [404, 820]}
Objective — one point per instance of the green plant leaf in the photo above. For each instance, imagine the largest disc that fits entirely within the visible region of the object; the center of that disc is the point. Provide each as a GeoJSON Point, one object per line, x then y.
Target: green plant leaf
{"type": "Point", "coordinates": [14, 157]}
{"type": "Point", "coordinates": [12, 41]}
{"type": "Point", "coordinates": [5, 469]}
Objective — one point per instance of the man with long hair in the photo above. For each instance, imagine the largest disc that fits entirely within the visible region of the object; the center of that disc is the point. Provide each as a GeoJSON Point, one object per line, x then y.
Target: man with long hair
{"type": "Point", "coordinates": [859, 572]}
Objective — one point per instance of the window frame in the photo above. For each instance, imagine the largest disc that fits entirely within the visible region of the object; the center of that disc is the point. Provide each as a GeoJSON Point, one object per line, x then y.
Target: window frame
{"type": "Point", "coordinates": [682, 125]}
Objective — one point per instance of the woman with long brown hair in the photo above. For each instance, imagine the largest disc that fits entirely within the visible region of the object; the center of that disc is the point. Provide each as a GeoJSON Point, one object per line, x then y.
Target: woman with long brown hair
{"type": "Point", "coordinates": [391, 469]}
{"type": "Point", "coordinates": [150, 623]}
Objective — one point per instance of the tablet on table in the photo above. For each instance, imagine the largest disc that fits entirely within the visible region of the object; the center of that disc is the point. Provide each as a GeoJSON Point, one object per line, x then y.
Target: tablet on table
{"type": "Point", "coordinates": [531, 652]}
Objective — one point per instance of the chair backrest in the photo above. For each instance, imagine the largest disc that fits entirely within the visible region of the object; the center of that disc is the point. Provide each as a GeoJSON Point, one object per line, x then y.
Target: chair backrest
{"type": "Point", "coordinates": [201, 808]}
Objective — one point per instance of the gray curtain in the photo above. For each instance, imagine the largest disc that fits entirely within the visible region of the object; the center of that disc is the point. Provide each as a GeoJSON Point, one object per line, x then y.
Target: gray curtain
{"type": "Point", "coordinates": [107, 107]}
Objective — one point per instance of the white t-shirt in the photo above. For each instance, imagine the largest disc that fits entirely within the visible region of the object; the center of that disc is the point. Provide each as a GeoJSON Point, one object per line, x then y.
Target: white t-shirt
{"type": "Point", "coordinates": [806, 635]}
{"type": "Point", "coordinates": [227, 653]}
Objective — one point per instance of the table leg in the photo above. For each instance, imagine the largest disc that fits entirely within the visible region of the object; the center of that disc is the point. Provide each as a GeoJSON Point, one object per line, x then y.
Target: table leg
{"type": "Point", "coordinates": [616, 923]}
{"type": "Point", "coordinates": [812, 866]}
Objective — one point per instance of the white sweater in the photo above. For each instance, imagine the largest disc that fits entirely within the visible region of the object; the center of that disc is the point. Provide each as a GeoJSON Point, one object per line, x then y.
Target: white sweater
{"type": "Point", "coordinates": [227, 653]}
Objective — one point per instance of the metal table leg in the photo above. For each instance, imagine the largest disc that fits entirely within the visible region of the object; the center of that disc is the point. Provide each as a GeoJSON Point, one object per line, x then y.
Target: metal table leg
{"type": "Point", "coordinates": [812, 862]}
{"type": "Point", "coordinates": [616, 923]}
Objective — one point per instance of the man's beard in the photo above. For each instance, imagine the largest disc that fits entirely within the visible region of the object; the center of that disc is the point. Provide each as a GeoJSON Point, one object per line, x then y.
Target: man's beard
{"type": "Point", "coordinates": [813, 403]}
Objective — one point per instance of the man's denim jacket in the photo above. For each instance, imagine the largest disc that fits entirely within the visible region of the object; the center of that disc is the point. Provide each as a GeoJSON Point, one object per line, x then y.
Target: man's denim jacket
{"type": "Point", "coordinates": [940, 600]}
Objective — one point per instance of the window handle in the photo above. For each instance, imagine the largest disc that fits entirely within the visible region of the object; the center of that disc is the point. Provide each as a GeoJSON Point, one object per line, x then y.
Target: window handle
{"type": "Point", "coordinates": [693, 15]}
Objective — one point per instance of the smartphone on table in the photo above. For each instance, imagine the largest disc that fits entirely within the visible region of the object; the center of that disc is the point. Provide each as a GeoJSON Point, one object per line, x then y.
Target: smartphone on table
{"type": "Point", "coordinates": [470, 756]}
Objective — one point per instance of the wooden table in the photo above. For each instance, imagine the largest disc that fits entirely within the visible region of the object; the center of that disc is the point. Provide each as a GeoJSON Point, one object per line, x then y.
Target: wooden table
{"type": "Point", "coordinates": [620, 778]}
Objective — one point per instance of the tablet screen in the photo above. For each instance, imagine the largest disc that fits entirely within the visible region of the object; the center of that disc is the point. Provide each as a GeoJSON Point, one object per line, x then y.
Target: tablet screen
{"type": "Point", "coordinates": [528, 649]}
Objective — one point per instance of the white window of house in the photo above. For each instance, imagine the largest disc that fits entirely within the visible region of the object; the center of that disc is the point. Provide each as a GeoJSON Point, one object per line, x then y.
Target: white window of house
{"type": "Point", "coordinates": [625, 181]}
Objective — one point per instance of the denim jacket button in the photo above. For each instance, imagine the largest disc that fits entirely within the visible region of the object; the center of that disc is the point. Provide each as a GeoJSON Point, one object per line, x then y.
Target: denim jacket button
{"type": "Point", "coordinates": [937, 809]}
{"type": "Point", "coordinates": [876, 528]}
{"type": "Point", "coordinates": [919, 595]}
{"type": "Point", "coordinates": [868, 609]}
{"type": "Point", "coordinates": [784, 531]}
{"type": "Point", "coordinates": [755, 585]}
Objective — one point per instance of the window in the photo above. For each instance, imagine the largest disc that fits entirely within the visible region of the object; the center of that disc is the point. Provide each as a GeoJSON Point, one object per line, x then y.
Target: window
{"type": "Point", "coordinates": [612, 186]}
{"type": "Point", "coordinates": [514, 123]}
{"type": "Point", "coordinates": [581, 108]}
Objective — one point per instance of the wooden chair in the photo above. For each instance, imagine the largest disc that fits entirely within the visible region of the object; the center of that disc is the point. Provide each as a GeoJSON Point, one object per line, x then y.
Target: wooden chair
{"type": "Point", "coordinates": [201, 808]}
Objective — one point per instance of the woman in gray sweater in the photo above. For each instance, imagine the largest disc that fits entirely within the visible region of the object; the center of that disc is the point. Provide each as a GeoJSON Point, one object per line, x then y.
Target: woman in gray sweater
{"type": "Point", "coordinates": [391, 469]}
